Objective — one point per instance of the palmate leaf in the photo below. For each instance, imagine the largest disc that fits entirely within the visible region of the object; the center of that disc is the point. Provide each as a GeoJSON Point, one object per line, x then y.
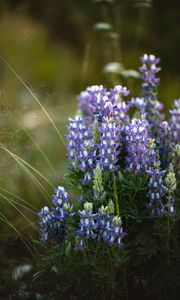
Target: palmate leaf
{"type": "Point", "coordinates": [132, 182]}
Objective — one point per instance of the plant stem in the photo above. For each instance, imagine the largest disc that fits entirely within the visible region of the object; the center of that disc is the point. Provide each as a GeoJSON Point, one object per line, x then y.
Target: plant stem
{"type": "Point", "coordinates": [168, 232]}
{"type": "Point", "coordinates": [116, 196]}
{"type": "Point", "coordinates": [167, 243]}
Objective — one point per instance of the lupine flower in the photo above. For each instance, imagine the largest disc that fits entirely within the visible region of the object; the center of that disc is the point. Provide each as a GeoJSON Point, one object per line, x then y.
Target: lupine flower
{"type": "Point", "coordinates": [109, 144]}
{"type": "Point", "coordinates": [109, 227]}
{"type": "Point", "coordinates": [87, 225]}
{"type": "Point", "coordinates": [176, 158]}
{"type": "Point", "coordinates": [163, 142]}
{"type": "Point", "coordinates": [170, 186]}
{"type": "Point", "coordinates": [81, 146]}
{"type": "Point", "coordinates": [149, 70]}
{"type": "Point", "coordinates": [98, 144]}
{"type": "Point", "coordinates": [175, 122]}
{"type": "Point", "coordinates": [63, 207]}
{"type": "Point", "coordinates": [140, 147]}
{"type": "Point", "coordinates": [116, 233]}
{"type": "Point", "coordinates": [79, 134]}
{"type": "Point", "coordinates": [47, 232]}
{"type": "Point", "coordinates": [97, 102]}
{"type": "Point", "coordinates": [156, 189]}
{"type": "Point", "coordinates": [88, 98]}
{"type": "Point", "coordinates": [53, 222]}
{"type": "Point", "coordinates": [161, 190]}
{"type": "Point", "coordinates": [104, 219]}
{"type": "Point", "coordinates": [102, 136]}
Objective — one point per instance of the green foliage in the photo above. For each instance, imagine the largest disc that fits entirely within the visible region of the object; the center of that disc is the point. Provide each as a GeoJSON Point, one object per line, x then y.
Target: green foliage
{"type": "Point", "coordinates": [147, 268]}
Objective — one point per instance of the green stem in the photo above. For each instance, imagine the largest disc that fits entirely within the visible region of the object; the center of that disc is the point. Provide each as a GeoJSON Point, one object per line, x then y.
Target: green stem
{"type": "Point", "coordinates": [167, 244]}
{"type": "Point", "coordinates": [116, 196]}
{"type": "Point", "coordinates": [168, 233]}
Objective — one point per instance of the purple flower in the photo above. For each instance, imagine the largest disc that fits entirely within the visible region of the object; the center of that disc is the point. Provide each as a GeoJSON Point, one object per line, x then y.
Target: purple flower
{"type": "Point", "coordinates": [81, 146]}
{"type": "Point", "coordinates": [98, 102]}
{"type": "Point", "coordinates": [156, 189]}
{"type": "Point", "coordinates": [151, 59]}
{"type": "Point", "coordinates": [109, 144]}
{"type": "Point", "coordinates": [149, 70]}
{"type": "Point", "coordinates": [161, 190]}
{"type": "Point", "coordinates": [139, 146]}
{"type": "Point", "coordinates": [109, 227]}
{"type": "Point", "coordinates": [79, 135]}
{"type": "Point", "coordinates": [87, 225]}
{"type": "Point", "coordinates": [175, 122]}
{"type": "Point", "coordinates": [92, 145]}
{"type": "Point", "coordinates": [116, 232]}
{"type": "Point", "coordinates": [110, 230]}
{"type": "Point", "coordinates": [163, 142]}
{"type": "Point", "coordinates": [53, 224]}
{"type": "Point", "coordinates": [60, 197]}
{"type": "Point", "coordinates": [104, 219]}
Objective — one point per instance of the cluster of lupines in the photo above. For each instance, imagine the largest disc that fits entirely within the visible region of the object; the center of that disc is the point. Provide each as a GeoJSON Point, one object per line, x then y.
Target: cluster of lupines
{"type": "Point", "coordinates": [105, 139]}
{"type": "Point", "coordinates": [110, 226]}
{"type": "Point", "coordinates": [55, 220]}
{"type": "Point", "coordinates": [95, 138]}
{"type": "Point", "coordinates": [101, 226]}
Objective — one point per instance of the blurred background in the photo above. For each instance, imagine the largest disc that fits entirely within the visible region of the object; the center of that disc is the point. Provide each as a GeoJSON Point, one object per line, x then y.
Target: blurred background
{"type": "Point", "coordinates": [50, 51]}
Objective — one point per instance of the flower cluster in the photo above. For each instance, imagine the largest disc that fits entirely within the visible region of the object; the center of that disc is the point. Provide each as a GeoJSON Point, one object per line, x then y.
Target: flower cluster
{"type": "Point", "coordinates": [149, 71]}
{"type": "Point", "coordinates": [109, 146]}
{"type": "Point", "coordinates": [81, 150]}
{"type": "Point", "coordinates": [156, 189]}
{"type": "Point", "coordinates": [95, 137]}
{"type": "Point", "coordinates": [163, 143]}
{"type": "Point", "coordinates": [98, 102]}
{"type": "Point", "coordinates": [87, 225]}
{"type": "Point", "coordinates": [54, 220]}
{"type": "Point", "coordinates": [110, 226]}
{"type": "Point", "coordinates": [109, 140]}
{"type": "Point", "coordinates": [103, 225]}
{"type": "Point", "coordinates": [139, 146]}
{"type": "Point", "coordinates": [175, 122]}
{"type": "Point", "coordinates": [151, 107]}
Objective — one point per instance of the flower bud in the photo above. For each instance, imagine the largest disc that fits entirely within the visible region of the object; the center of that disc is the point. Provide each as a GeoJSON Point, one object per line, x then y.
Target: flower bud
{"type": "Point", "coordinates": [98, 183]}
{"type": "Point", "coordinates": [88, 206]}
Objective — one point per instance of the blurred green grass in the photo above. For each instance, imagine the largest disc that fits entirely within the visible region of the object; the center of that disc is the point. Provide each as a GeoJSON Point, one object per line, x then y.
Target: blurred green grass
{"type": "Point", "coordinates": [51, 71]}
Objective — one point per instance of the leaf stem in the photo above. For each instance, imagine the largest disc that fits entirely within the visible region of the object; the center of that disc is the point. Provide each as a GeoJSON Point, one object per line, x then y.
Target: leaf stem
{"type": "Point", "coordinates": [116, 196]}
